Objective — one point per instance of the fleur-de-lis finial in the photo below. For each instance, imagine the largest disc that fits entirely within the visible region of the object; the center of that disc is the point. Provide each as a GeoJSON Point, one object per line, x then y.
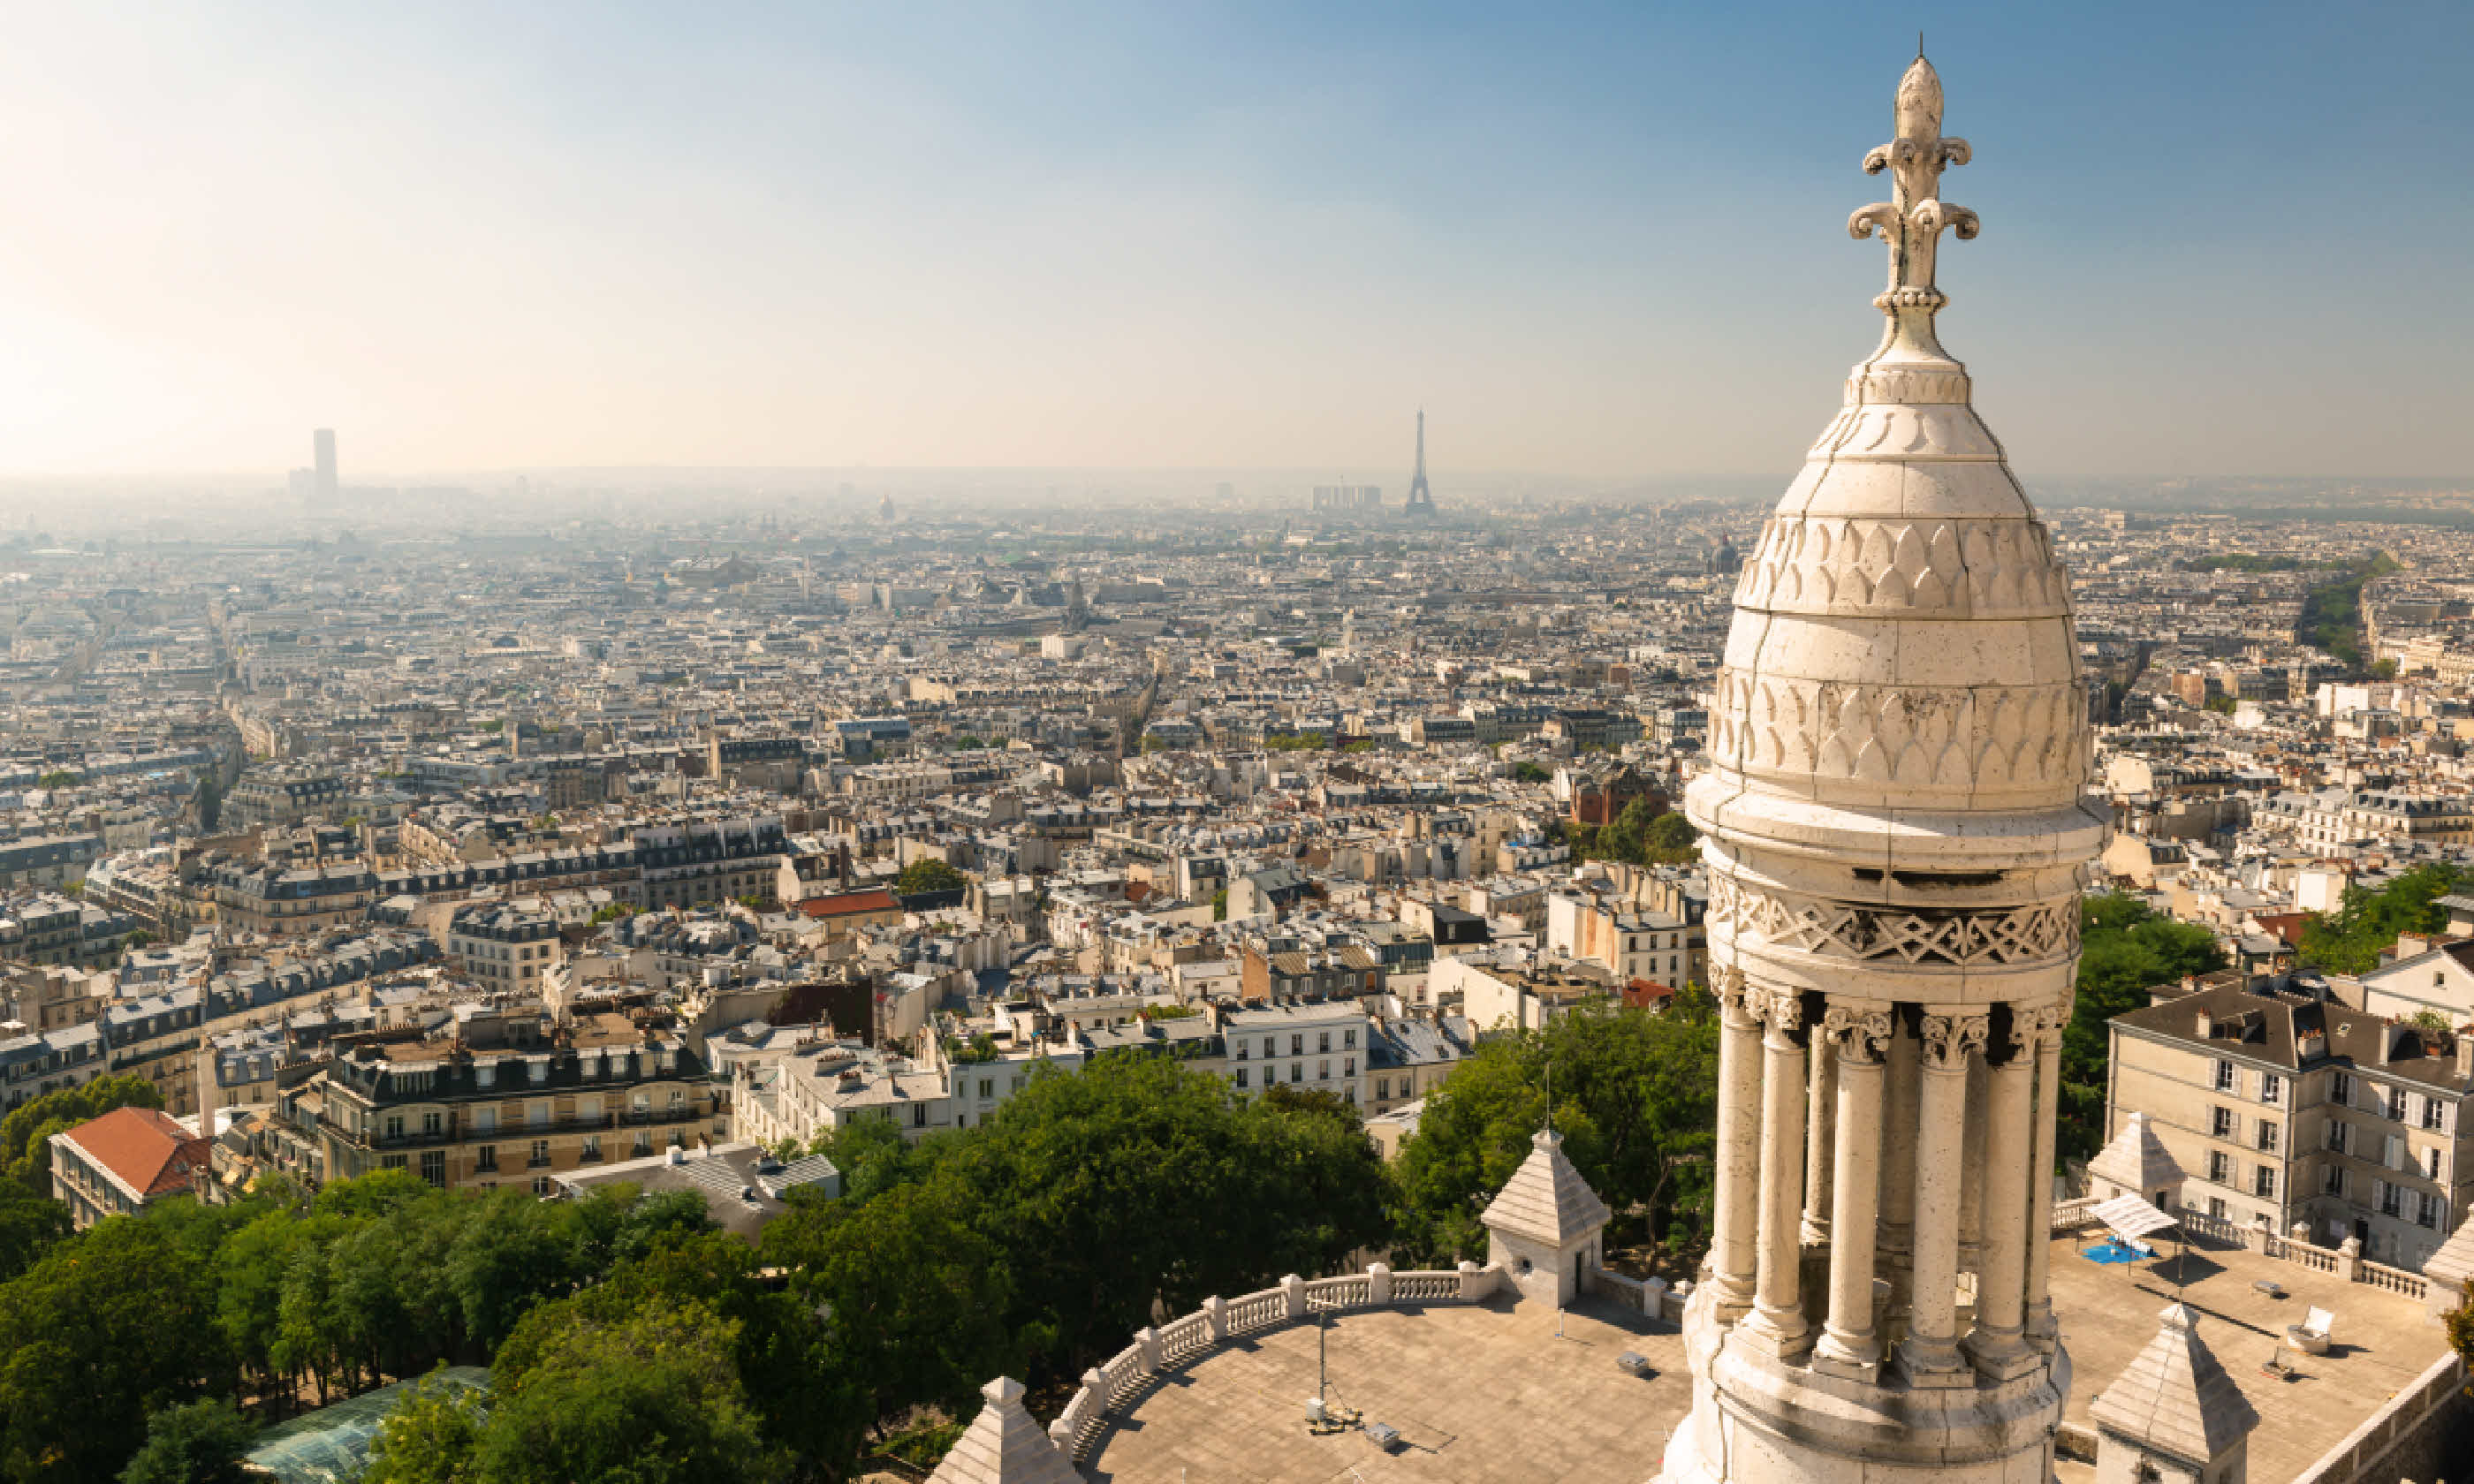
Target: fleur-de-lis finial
{"type": "Point", "coordinates": [1912, 220]}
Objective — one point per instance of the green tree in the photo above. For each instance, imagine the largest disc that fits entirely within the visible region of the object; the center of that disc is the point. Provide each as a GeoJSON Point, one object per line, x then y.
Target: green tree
{"type": "Point", "coordinates": [1636, 1100]}
{"type": "Point", "coordinates": [107, 1327]}
{"type": "Point", "coordinates": [2125, 949]}
{"type": "Point", "coordinates": [927, 875]}
{"type": "Point", "coordinates": [1220, 905]}
{"type": "Point", "coordinates": [58, 778]}
{"type": "Point", "coordinates": [201, 1443]}
{"type": "Point", "coordinates": [430, 1437]}
{"type": "Point", "coordinates": [2368, 921]}
{"type": "Point", "coordinates": [29, 1225]}
{"type": "Point", "coordinates": [651, 1398]}
{"type": "Point", "coordinates": [914, 1301]}
{"type": "Point", "coordinates": [1526, 772]}
{"type": "Point", "coordinates": [25, 1135]}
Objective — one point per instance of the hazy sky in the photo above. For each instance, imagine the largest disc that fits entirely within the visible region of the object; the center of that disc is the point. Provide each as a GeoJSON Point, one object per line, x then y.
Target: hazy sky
{"type": "Point", "coordinates": [1597, 239]}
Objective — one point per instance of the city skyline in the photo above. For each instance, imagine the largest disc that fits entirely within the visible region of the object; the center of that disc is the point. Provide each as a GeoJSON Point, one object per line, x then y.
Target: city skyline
{"type": "Point", "coordinates": [1109, 239]}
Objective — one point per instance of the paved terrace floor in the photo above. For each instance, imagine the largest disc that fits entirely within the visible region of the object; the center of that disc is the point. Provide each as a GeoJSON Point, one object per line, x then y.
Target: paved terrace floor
{"type": "Point", "coordinates": [1481, 1394]}
{"type": "Point", "coordinates": [2381, 1343]}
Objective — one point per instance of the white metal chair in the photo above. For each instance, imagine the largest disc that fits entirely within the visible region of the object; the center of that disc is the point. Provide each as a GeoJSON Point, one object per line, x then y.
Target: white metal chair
{"type": "Point", "coordinates": [2311, 1336]}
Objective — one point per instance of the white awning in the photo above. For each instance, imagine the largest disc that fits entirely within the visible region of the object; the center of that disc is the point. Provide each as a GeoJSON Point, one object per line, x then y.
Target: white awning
{"type": "Point", "coordinates": [2131, 1216]}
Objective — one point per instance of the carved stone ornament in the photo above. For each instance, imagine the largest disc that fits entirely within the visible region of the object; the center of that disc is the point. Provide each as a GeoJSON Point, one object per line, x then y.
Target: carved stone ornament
{"type": "Point", "coordinates": [1915, 216]}
{"type": "Point", "coordinates": [2050, 1020]}
{"type": "Point", "coordinates": [2036, 933]}
{"type": "Point", "coordinates": [1734, 999]}
{"type": "Point", "coordinates": [1949, 1041]}
{"type": "Point", "coordinates": [1860, 1036]}
{"type": "Point", "coordinates": [1781, 1010]}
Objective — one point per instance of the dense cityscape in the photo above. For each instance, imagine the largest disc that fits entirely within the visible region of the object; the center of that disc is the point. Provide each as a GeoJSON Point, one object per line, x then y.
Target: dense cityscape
{"type": "Point", "coordinates": [758, 957]}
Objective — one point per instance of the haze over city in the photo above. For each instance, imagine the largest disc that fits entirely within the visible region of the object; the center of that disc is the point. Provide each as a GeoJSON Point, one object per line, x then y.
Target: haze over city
{"type": "Point", "coordinates": [1597, 241]}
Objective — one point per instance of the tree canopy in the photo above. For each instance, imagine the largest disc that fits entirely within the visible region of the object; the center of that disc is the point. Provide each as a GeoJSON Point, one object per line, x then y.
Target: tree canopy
{"type": "Point", "coordinates": [26, 1134]}
{"type": "Point", "coordinates": [1636, 1100]}
{"type": "Point", "coordinates": [2125, 949]}
{"type": "Point", "coordinates": [2366, 921]}
{"type": "Point", "coordinates": [1647, 833]}
{"type": "Point", "coordinates": [927, 875]}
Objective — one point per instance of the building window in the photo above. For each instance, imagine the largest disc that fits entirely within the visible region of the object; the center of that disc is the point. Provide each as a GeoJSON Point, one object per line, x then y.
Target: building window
{"type": "Point", "coordinates": [1325, 1044]}
{"type": "Point", "coordinates": [539, 1154]}
{"type": "Point", "coordinates": [2220, 1165]}
{"type": "Point", "coordinates": [2263, 1182]}
{"type": "Point", "coordinates": [1241, 1076]}
{"type": "Point", "coordinates": [2332, 1180]}
{"type": "Point", "coordinates": [392, 1161]}
{"type": "Point", "coordinates": [591, 1151]}
{"type": "Point", "coordinates": [1347, 1039]}
{"type": "Point", "coordinates": [2220, 1122]}
{"type": "Point", "coordinates": [433, 1166]}
{"type": "Point", "coordinates": [1322, 1071]}
{"type": "Point", "coordinates": [2341, 1134]}
{"type": "Point", "coordinates": [2268, 1134]}
{"type": "Point", "coordinates": [1296, 1071]}
{"type": "Point", "coordinates": [1382, 1088]}
{"type": "Point", "coordinates": [486, 1158]}
{"type": "Point", "coordinates": [2431, 1116]}
{"type": "Point", "coordinates": [395, 1126]}
{"type": "Point", "coordinates": [2433, 1208]}
{"type": "Point", "coordinates": [2226, 1076]}
{"type": "Point", "coordinates": [1298, 1045]}
{"type": "Point", "coordinates": [2271, 1088]}
{"type": "Point", "coordinates": [2391, 1198]}
{"type": "Point", "coordinates": [2341, 1089]}
{"type": "Point", "coordinates": [987, 1090]}
{"type": "Point", "coordinates": [433, 1123]}
{"type": "Point", "coordinates": [918, 1115]}
{"type": "Point", "coordinates": [2396, 1104]}
{"type": "Point", "coordinates": [543, 1185]}
{"type": "Point", "coordinates": [2430, 1164]}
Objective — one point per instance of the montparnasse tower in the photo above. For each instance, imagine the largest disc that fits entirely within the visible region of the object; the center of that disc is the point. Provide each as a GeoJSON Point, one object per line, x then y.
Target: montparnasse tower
{"type": "Point", "coordinates": [1896, 847]}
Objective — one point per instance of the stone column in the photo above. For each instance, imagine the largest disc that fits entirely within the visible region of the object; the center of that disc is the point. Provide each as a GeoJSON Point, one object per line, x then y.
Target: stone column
{"type": "Point", "coordinates": [1930, 1352]}
{"type": "Point", "coordinates": [1899, 1167]}
{"type": "Point", "coordinates": [2050, 1023]}
{"type": "Point", "coordinates": [1997, 1343]}
{"type": "Point", "coordinates": [1732, 1225]}
{"type": "Point", "coordinates": [1820, 1115]}
{"type": "Point", "coordinates": [1971, 1186]}
{"type": "Point", "coordinates": [1778, 1307]}
{"type": "Point", "coordinates": [1857, 1039]}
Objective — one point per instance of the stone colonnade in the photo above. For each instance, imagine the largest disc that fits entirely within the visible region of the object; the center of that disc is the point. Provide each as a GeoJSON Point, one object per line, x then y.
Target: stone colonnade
{"type": "Point", "coordinates": [1905, 1143]}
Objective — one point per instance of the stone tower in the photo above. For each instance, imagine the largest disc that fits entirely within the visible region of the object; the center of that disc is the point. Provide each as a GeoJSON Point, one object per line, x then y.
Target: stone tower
{"type": "Point", "coordinates": [1896, 847]}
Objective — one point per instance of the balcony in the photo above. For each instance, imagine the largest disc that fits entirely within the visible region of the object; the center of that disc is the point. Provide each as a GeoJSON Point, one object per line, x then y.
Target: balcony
{"type": "Point", "coordinates": [455, 1131]}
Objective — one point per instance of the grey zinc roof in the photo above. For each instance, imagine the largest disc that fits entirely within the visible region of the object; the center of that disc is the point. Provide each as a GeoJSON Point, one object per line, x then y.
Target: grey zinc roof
{"type": "Point", "coordinates": [1546, 1199]}
{"type": "Point", "coordinates": [1003, 1445]}
{"type": "Point", "coordinates": [2174, 1395]}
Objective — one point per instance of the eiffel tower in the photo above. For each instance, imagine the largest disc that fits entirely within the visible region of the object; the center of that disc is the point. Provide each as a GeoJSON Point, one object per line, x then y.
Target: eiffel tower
{"type": "Point", "coordinates": [1421, 500]}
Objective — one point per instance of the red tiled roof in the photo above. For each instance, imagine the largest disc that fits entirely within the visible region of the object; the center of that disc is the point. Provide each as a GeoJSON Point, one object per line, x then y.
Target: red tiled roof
{"type": "Point", "coordinates": [847, 903]}
{"type": "Point", "coordinates": [147, 1150]}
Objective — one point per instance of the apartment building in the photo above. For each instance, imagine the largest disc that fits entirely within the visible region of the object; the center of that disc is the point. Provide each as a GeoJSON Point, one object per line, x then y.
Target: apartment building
{"type": "Point", "coordinates": [2304, 1112]}
{"type": "Point", "coordinates": [1325, 1047]}
{"type": "Point", "coordinates": [500, 1095]}
{"type": "Point", "coordinates": [502, 945]}
{"type": "Point", "coordinates": [124, 1162]}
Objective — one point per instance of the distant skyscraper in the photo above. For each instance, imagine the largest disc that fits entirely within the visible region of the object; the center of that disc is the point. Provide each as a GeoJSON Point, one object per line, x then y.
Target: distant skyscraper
{"type": "Point", "coordinates": [1421, 500]}
{"type": "Point", "coordinates": [324, 439]}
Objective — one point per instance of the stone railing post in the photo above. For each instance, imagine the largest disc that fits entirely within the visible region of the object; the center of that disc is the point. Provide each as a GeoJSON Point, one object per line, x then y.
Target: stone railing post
{"type": "Point", "coordinates": [1680, 1296]}
{"type": "Point", "coordinates": [2300, 1232]}
{"type": "Point", "coordinates": [2255, 1235]}
{"type": "Point", "coordinates": [1061, 1433]}
{"type": "Point", "coordinates": [2350, 1257]}
{"type": "Point", "coordinates": [1096, 1381]}
{"type": "Point", "coordinates": [1379, 1283]}
{"type": "Point", "coordinates": [1293, 1289]}
{"type": "Point", "coordinates": [1653, 1297]}
{"type": "Point", "coordinates": [1470, 1292]}
{"type": "Point", "coordinates": [1148, 1339]}
{"type": "Point", "coordinates": [1215, 1313]}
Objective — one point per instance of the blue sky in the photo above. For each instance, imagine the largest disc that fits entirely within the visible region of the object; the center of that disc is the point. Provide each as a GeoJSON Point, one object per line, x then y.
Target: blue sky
{"type": "Point", "coordinates": [1595, 240]}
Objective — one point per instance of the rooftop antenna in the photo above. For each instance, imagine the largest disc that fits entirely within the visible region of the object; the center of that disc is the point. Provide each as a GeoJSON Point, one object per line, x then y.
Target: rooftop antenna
{"type": "Point", "coordinates": [1920, 45]}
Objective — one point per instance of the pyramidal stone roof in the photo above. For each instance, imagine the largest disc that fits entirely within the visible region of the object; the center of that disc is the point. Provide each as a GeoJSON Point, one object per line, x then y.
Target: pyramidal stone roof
{"type": "Point", "coordinates": [2137, 1158]}
{"type": "Point", "coordinates": [1003, 1445]}
{"type": "Point", "coordinates": [1546, 1200]}
{"type": "Point", "coordinates": [2174, 1397]}
{"type": "Point", "coordinates": [2454, 1262]}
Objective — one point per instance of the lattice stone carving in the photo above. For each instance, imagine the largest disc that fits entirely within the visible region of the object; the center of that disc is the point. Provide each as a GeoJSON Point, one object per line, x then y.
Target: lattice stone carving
{"type": "Point", "coordinates": [2034, 934]}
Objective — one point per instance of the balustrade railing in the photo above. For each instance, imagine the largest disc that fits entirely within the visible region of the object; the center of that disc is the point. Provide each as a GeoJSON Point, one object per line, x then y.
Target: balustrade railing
{"type": "Point", "coordinates": [1108, 1387]}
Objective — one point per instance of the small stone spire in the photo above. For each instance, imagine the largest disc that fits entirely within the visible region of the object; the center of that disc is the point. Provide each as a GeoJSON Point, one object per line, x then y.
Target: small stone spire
{"type": "Point", "coordinates": [1911, 221]}
{"type": "Point", "coordinates": [1003, 1445]}
{"type": "Point", "coordinates": [2176, 1399]}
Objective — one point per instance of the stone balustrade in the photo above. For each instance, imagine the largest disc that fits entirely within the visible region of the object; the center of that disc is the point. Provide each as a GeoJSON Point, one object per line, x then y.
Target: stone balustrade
{"type": "Point", "coordinates": [1108, 1388]}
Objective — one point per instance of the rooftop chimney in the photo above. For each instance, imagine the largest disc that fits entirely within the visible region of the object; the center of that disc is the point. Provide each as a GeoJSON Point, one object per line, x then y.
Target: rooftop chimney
{"type": "Point", "coordinates": [2207, 1025]}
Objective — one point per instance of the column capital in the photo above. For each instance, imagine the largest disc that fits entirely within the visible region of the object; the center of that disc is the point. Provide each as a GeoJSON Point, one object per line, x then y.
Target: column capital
{"type": "Point", "coordinates": [1781, 1010]}
{"type": "Point", "coordinates": [2051, 1020]}
{"type": "Point", "coordinates": [1949, 1040]}
{"type": "Point", "coordinates": [1734, 997]}
{"type": "Point", "coordinates": [1859, 1032]}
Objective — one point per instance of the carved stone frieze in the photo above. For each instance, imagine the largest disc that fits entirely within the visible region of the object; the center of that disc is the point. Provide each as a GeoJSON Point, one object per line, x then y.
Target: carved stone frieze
{"type": "Point", "coordinates": [2036, 933]}
{"type": "Point", "coordinates": [1974, 737]}
{"type": "Point", "coordinates": [1835, 565]}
